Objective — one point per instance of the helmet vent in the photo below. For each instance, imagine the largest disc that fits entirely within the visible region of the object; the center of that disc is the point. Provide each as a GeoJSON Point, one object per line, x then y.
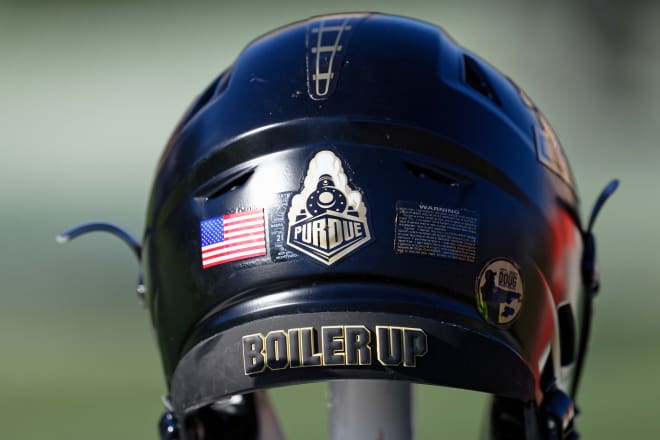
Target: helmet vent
{"type": "Point", "coordinates": [221, 83]}
{"type": "Point", "coordinates": [476, 78]}
{"type": "Point", "coordinates": [441, 176]}
{"type": "Point", "coordinates": [566, 334]}
{"type": "Point", "coordinates": [229, 184]}
{"type": "Point", "coordinates": [214, 90]}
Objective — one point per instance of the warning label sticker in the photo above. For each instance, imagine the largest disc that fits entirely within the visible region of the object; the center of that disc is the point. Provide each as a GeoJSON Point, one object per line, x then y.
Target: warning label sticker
{"type": "Point", "coordinates": [436, 231]}
{"type": "Point", "coordinates": [277, 228]}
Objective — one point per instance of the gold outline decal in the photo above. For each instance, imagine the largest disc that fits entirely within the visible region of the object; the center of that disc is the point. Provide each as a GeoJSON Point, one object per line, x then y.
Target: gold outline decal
{"type": "Point", "coordinates": [280, 342]}
{"type": "Point", "coordinates": [255, 353]}
{"type": "Point", "coordinates": [333, 346]}
{"type": "Point", "coordinates": [326, 42]}
{"type": "Point", "coordinates": [327, 219]}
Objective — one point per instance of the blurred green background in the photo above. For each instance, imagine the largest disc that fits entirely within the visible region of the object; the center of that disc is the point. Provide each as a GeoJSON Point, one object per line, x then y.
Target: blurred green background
{"type": "Point", "coordinates": [89, 92]}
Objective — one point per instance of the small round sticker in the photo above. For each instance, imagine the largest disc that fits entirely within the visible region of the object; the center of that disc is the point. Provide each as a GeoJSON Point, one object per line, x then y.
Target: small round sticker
{"type": "Point", "coordinates": [500, 292]}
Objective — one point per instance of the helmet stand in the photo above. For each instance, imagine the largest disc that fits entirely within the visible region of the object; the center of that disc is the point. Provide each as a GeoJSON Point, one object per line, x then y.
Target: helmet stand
{"type": "Point", "coordinates": [370, 409]}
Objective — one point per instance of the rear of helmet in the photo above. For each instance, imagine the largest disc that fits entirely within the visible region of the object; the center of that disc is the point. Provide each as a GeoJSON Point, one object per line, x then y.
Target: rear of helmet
{"type": "Point", "coordinates": [358, 197]}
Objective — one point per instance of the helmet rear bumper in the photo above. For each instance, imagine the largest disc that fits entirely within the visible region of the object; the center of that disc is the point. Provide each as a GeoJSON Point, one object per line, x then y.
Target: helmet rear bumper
{"type": "Point", "coordinates": [346, 331]}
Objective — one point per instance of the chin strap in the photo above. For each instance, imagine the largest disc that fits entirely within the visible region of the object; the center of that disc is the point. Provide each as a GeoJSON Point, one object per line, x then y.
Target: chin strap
{"type": "Point", "coordinates": [124, 236]}
{"type": "Point", "coordinates": [590, 280]}
{"type": "Point", "coordinates": [558, 411]}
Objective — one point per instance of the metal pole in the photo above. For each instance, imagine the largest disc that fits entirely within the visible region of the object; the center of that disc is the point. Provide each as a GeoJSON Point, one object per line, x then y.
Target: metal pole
{"type": "Point", "coordinates": [370, 410]}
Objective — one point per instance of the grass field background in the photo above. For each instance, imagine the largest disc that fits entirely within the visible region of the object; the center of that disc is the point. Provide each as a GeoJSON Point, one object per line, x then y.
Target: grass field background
{"type": "Point", "coordinates": [89, 92]}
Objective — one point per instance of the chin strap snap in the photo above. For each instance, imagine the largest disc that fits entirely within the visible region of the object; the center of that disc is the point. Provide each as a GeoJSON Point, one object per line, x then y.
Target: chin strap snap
{"type": "Point", "coordinates": [168, 427]}
{"type": "Point", "coordinates": [558, 414]}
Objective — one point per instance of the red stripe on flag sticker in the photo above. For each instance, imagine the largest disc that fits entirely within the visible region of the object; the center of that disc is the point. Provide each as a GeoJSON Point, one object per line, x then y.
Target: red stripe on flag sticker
{"type": "Point", "coordinates": [231, 241]}
{"type": "Point", "coordinates": [245, 214]}
{"type": "Point", "coordinates": [233, 256]}
{"type": "Point", "coordinates": [250, 243]}
{"type": "Point", "coordinates": [238, 226]}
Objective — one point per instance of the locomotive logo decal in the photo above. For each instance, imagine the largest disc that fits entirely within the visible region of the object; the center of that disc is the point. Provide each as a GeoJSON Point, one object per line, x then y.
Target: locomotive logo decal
{"type": "Point", "coordinates": [327, 218]}
{"type": "Point", "coordinates": [500, 292]}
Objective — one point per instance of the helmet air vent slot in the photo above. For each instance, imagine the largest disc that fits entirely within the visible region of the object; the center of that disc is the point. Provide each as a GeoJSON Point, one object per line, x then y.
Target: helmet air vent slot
{"type": "Point", "coordinates": [476, 78]}
{"type": "Point", "coordinates": [566, 334]}
{"type": "Point", "coordinates": [226, 185]}
{"type": "Point", "coordinates": [221, 83]}
{"type": "Point", "coordinates": [443, 176]}
{"type": "Point", "coordinates": [214, 90]}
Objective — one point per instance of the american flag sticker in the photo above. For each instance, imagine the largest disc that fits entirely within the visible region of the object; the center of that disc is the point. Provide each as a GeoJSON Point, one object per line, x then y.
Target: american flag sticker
{"type": "Point", "coordinates": [233, 237]}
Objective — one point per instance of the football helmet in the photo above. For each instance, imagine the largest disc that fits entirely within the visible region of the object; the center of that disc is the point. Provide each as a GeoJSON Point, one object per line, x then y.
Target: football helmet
{"type": "Point", "coordinates": [359, 197]}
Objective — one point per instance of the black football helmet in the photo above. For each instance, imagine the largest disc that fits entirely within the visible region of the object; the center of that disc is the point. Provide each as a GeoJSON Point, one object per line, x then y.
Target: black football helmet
{"type": "Point", "coordinates": [359, 197]}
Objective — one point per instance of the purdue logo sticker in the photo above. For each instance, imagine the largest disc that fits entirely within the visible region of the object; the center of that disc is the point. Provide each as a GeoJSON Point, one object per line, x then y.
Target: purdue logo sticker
{"type": "Point", "coordinates": [327, 218]}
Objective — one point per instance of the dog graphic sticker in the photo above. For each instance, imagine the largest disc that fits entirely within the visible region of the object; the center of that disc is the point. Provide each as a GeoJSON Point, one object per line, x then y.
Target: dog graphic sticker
{"type": "Point", "coordinates": [500, 292]}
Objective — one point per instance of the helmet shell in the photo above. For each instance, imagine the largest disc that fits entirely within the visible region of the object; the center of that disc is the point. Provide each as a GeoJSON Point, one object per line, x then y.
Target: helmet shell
{"type": "Point", "coordinates": [444, 184]}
